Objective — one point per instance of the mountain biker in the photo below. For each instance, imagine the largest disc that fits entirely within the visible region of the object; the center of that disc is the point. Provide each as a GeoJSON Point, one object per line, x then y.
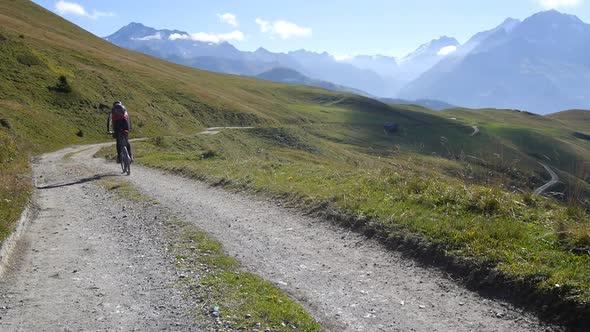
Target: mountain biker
{"type": "Point", "coordinates": [121, 126]}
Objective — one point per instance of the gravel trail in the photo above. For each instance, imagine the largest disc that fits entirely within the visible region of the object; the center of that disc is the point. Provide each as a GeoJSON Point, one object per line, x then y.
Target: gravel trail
{"type": "Point", "coordinates": [554, 179]}
{"type": "Point", "coordinates": [88, 262]}
{"type": "Point", "coordinates": [346, 281]}
{"type": "Point", "coordinates": [217, 130]}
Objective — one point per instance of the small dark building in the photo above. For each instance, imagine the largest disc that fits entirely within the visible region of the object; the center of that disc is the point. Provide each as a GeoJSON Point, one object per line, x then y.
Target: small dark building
{"type": "Point", "coordinates": [390, 127]}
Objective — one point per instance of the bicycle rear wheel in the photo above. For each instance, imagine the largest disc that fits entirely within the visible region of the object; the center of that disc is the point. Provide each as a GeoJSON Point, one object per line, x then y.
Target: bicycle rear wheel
{"type": "Point", "coordinates": [125, 161]}
{"type": "Point", "coordinates": [122, 163]}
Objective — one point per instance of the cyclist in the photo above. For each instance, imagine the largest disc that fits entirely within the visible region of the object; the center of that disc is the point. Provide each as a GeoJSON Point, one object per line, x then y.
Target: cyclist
{"type": "Point", "coordinates": [121, 126]}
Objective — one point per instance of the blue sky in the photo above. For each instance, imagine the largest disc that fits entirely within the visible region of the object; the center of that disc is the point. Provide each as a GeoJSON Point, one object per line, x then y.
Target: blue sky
{"type": "Point", "coordinates": [345, 27]}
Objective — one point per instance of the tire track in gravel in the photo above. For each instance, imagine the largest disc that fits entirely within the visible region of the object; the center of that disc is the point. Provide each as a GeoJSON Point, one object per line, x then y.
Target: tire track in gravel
{"type": "Point", "coordinates": [342, 278]}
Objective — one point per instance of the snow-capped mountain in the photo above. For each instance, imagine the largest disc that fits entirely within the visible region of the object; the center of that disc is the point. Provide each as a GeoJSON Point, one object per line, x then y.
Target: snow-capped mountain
{"type": "Point", "coordinates": [169, 43]}
{"type": "Point", "coordinates": [424, 57]}
{"type": "Point", "coordinates": [177, 46]}
{"type": "Point", "coordinates": [507, 26]}
{"type": "Point", "coordinates": [540, 65]}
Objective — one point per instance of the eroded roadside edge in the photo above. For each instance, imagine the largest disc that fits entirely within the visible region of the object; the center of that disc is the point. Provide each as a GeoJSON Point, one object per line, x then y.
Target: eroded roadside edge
{"type": "Point", "coordinates": [10, 243]}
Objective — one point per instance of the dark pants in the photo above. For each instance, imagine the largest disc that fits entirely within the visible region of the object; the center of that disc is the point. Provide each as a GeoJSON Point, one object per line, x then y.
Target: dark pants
{"type": "Point", "coordinates": [119, 140]}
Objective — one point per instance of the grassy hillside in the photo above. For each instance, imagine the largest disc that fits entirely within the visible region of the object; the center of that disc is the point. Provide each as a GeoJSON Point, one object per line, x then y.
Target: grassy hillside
{"type": "Point", "coordinates": [432, 185]}
{"type": "Point", "coordinates": [58, 81]}
{"type": "Point", "coordinates": [575, 119]}
{"type": "Point", "coordinates": [554, 140]}
{"type": "Point", "coordinates": [15, 187]}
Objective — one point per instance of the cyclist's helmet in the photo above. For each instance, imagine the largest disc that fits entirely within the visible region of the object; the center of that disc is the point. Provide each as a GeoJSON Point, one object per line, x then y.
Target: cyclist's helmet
{"type": "Point", "coordinates": [118, 102]}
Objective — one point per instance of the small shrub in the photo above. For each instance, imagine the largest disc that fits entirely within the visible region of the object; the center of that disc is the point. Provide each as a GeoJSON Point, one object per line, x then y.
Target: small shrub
{"type": "Point", "coordinates": [416, 186]}
{"type": "Point", "coordinates": [29, 60]}
{"type": "Point", "coordinates": [575, 212]}
{"type": "Point", "coordinates": [529, 199]}
{"type": "Point", "coordinates": [485, 203]}
{"type": "Point", "coordinates": [574, 236]}
{"type": "Point", "coordinates": [4, 123]}
{"type": "Point", "coordinates": [490, 205]}
{"type": "Point", "coordinates": [62, 85]}
{"type": "Point", "coordinates": [80, 133]}
{"type": "Point", "coordinates": [581, 236]}
{"type": "Point", "coordinates": [442, 195]}
{"type": "Point", "coordinates": [209, 153]}
{"type": "Point", "coordinates": [158, 141]}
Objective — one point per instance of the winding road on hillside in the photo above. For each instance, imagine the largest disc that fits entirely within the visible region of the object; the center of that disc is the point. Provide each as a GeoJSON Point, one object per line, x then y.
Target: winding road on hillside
{"type": "Point", "coordinates": [554, 179]}
{"type": "Point", "coordinates": [217, 130]}
{"type": "Point", "coordinates": [87, 262]}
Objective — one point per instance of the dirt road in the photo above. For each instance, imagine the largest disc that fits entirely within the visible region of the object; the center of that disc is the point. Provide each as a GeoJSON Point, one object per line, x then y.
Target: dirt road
{"type": "Point", "coordinates": [554, 179]}
{"type": "Point", "coordinates": [217, 130]}
{"type": "Point", "coordinates": [88, 262]}
{"type": "Point", "coordinates": [89, 265]}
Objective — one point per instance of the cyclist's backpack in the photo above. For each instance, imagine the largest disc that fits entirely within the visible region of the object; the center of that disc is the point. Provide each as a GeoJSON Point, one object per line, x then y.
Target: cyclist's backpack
{"type": "Point", "coordinates": [118, 112]}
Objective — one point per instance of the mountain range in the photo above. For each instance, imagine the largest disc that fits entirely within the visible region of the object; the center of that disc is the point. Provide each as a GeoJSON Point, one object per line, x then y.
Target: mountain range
{"type": "Point", "coordinates": [375, 74]}
{"type": "Point", "coordinates": [291, 76]}
{"type": "Point", "coordinates": [539, 64]}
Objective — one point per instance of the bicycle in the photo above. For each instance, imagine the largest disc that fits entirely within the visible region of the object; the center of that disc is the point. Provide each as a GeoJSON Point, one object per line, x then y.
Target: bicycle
{"type": "Point", "coordinates": [125, 160]}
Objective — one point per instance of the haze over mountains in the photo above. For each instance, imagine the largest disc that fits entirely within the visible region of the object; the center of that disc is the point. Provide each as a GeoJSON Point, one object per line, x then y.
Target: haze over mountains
{"type": "Point", "coordinates": [291, 76]}
{"type": "Point", "coordinates": [540, 64]}
{"type": "Point", "coordinates": [376, 75]}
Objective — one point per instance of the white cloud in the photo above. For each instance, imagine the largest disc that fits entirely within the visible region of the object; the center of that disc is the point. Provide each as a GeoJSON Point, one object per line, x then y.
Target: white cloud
{"type": "Point", "coordinates": [447, 50]}
{"type": "Point", "coordinates": [157, 36]}
{"type": "Point", "coordinates": [343, 57]}
{"type": "Point", "coordinates": [96, 14]}
{"type": "Point", "coordinates": [283, 29]}
{"type": "Point", "coordinates": [287, 29]}
{"type": "Point", "coordinates": [176, 36]}
{"type": "Point", "coordinates": [549, 4]}
{"type": "Point", "coordinates": [64, 8]}
{"type": "Point", "coordinates": [264, 25]}
{"type": "Point", "coordinates": [71, 8]}
{"type": "Point", "coordinates": [209, 37]}
{"type": "Point", "coordinates": [228, 18]}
